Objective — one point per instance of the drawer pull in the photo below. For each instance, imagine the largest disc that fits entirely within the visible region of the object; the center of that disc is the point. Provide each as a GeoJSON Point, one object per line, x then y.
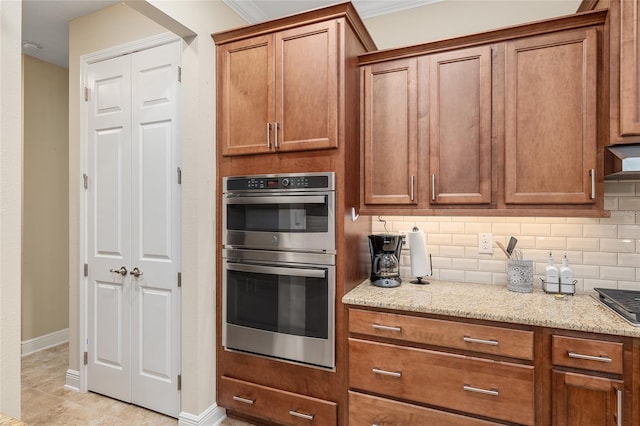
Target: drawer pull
{"type": "Point", "coordinates": [481, 341]}
{"type": "Point", "coordinates": [386, 327]}
{"type": "Point", "coordinates": [589, 357]}
{"type": "Point", "coordinates": [387, 373]}
{"type": "Point", "coordinates": [244, 400]}
{"type": "Point", "coordinates": [492, 392]}
{"type": "Point", "coordinates": [301, 415]}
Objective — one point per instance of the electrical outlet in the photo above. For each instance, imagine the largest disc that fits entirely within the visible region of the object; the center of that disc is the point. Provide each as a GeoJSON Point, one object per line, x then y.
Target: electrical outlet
{"type": "Point", "coordinates": [485, 243]}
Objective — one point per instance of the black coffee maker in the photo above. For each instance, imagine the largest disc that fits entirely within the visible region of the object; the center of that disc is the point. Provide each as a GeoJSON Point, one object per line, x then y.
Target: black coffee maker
{"type": "Point", "coordinates": [385, 259]}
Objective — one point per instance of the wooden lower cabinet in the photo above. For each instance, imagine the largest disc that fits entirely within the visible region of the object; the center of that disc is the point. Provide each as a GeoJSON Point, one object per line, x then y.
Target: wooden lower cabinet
{"type": "Point", "coordinates": [274, 405]}
{"type": "Point", "coordinates": [585, 400]}
{"type": "Point", "coordinates": [373, 410]}
{"type": "Point", "coordinates": [488, 388]}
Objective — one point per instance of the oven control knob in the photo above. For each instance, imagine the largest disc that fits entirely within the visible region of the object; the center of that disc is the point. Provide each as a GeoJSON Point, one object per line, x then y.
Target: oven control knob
{"type": "Point", "coordinates": [285, 182]}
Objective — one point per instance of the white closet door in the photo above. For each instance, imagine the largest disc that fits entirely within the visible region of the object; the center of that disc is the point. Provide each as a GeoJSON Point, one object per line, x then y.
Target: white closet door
{"type": "Point", "coordinates": [155, 223]}
{"type": "Point", "coordinates": [109, 228]}
{"type": "Point", "coordinates": [134, 222]}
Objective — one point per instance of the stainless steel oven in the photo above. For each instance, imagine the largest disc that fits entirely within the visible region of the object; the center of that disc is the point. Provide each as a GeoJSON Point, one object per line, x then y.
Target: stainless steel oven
{"type": "Point", "coordinates": [280, 212]}
{"type": "Point", "coordinates": [279, 266]}
{"type": "Point", "coordinates": [280, 304]}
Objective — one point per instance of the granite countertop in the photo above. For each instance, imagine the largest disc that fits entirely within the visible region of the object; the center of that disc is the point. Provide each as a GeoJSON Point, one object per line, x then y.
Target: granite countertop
{"type": "Point", "coordinates": [580, 312]}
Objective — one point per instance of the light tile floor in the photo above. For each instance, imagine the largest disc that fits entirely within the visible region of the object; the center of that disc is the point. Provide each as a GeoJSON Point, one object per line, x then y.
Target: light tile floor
{"type": "Point", "coordinates": [45, 401]}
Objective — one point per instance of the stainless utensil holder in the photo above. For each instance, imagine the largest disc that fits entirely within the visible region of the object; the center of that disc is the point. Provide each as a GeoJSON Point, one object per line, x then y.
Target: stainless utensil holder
{"type": "Point", "coordinates": [520, 275]}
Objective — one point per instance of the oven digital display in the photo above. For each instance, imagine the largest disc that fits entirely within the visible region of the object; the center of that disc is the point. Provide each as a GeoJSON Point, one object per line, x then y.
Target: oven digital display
{"type": "Point", "coordinates": [273, 184]}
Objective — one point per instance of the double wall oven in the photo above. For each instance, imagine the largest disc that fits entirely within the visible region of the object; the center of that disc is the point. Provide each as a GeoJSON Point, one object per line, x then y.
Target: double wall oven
{"type": "Point", "coordinates": [278, 266]}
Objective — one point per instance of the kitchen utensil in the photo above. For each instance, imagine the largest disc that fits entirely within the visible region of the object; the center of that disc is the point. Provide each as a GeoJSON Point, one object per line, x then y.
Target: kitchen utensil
{"type": "Point", "coordinates": [504, 250]}
{"type": "Point", "coordinates": [511, 245]}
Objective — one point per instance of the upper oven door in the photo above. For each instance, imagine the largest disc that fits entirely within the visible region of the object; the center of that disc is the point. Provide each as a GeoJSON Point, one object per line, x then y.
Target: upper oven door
{"type": "Point", "coordinates": [300, 221]}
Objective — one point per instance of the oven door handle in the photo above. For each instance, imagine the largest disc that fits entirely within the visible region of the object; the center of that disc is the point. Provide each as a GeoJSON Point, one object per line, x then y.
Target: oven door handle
{"type": "Point", "coordinates": [277, 270]}
{"type": "Point", "coordinates": [286, 199]}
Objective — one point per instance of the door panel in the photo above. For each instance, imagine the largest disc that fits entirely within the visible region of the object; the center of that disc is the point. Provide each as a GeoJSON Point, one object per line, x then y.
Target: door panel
{"type": "Point", "coordinates": [155, 219]}
{"type": "Point", "coordinates": [108, 233]}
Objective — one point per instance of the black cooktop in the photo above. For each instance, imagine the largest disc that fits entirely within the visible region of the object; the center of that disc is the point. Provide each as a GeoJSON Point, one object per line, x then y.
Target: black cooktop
{"type": "Point", "coordinates": [624, 302]}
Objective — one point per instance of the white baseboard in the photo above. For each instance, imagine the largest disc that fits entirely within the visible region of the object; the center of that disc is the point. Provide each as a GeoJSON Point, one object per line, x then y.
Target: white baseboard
{"type": "Point", "coordinates": [72, 380]}
{"type": "Point", "coordinates": [44, 342]}
{"type": "Point", "coordinates": [212, 416]}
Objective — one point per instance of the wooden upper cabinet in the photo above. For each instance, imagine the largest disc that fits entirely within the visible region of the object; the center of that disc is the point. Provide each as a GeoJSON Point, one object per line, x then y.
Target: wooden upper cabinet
{"type": "Point", "coordinates": [459, 111]}
{"type": "Point", "coordinates": [551, 118]}
{"type": "Point", "coordinates": [390, 132]}
{"type": "Point", "coordinates": [307, 88]}
{"type": "Point", "coordinates": [279, 92]}
{"type": "Point", "coordinates": [246, 99]}
{"type": "Point", "coordinates": [629, 27]}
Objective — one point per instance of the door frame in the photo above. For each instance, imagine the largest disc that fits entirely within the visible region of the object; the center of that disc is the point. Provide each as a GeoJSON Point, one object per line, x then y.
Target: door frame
{"type": "Point", "coordinates": [85, 61]}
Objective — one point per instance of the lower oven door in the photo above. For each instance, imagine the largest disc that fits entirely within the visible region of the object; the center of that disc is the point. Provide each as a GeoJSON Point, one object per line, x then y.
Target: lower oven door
{"type": "Point", "coordinates": [280, 309]}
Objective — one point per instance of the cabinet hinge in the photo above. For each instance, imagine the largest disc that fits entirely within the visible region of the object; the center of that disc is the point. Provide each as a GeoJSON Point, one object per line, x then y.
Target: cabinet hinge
{"type": "Point", "coordinates": [86, 358]}
{"type": "Point", "coordinates": [179, 176]}
{"type": "Point", "coordinates": [86, 94]}
{"type": "Point", "coordinates": [86, 269]}
{"type": "Point", "coordinates": [179, 381]}
{"type": "Point", "coordinates": [85, 179]}
{"type": "Point", "coordinates": [179, 279]}
{"type": "Point", "coordinates": [179, 74]}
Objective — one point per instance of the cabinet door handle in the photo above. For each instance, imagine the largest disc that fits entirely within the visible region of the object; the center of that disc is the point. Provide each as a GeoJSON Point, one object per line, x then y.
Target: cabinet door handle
{"type": "Point", "coordinates": [244, 400]}
{"type": "Point", "coordinates": [433, 187]}
{"type": "Point", "coordinates": [268, 135]}
{"type": "Point", "coordinates": [592, 173]}
{"type": "Point", "coordinates": [387, 373]}
{"type": "Point", "coordinates": [301, 415]}
{"type": "Point", "coordinates": [619, 407]}
{"type": "Point", "coordinates": [589, 357]}
{"type": "Point", "coordinates": [492, 392]}
{"type": "Point", "coordinates": [491, 342]}
{"type": "Point", "coordinates": [412, 185]}
{"type": "Point", "coordinates": [386, 327]}
{"type": "Point", "coordinates": [276, 127]}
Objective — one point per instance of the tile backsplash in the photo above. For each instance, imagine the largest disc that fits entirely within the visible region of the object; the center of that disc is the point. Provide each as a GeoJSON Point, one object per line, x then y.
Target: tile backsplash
{"type": "Point", "coordinates": [603, 252]}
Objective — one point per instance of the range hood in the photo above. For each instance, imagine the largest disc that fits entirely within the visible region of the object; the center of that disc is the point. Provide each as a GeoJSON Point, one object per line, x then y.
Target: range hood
{"type": "Point", "coordinates": [626, 163]}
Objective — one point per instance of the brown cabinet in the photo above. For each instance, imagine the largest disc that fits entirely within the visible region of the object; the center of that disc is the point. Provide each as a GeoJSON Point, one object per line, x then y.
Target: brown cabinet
{"type": "Point", "coordinates": [456, 97]}
{"type": "Point", "coordinates": [279, 92]}
{"type": "Point", "coordinates": [550, 118]}
{"type": "Point", "coordinates": [390, 133]}
{"type": "Point", "coordinates": [398, 356]}
{"type": "Point", "coordinates": [284, 408]}
{"type": "Point", "coordinates": [625, 71]}
{"type": "Point", "coordinates": [587, 398]}
{"type": "Point", "coordinates": [508, 123]}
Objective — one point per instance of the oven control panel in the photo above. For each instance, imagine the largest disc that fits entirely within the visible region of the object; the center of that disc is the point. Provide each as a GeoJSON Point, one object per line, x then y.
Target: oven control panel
{"type": "Point", "coordinates": [298, 181]}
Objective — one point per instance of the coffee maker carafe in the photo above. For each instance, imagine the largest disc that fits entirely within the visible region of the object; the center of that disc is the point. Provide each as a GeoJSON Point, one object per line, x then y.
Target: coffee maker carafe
{"type": "Point", "coordinates": [385, 259]}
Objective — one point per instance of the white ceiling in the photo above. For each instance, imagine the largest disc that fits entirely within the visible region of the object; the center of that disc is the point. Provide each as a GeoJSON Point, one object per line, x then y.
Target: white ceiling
{"type": "Point", "coordinates": [45, 23]}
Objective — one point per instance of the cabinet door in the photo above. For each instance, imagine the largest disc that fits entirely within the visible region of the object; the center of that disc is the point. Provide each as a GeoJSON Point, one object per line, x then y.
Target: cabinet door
{"type": "Point", "coordinates": [390, 132]}
{"type": "Point", "coordinates": [246, 103]}
{"type": "Point", "coordinates": [460, 126]}
{"type": "Point", "coordinates": [581, 400]}
{"type": "Point", "coordinates": [629, 68]}
{"type": "Point", "coordinates": [550, 111]}
{"type": "Point", "coordinates": [307, 93]}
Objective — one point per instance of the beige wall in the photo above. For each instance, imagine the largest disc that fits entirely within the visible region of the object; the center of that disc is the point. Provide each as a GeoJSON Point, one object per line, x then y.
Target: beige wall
{"type": "Point", "coordinates": [45, 235]}
{"type": "Point", "coordinates": [118, 25]}
{"type": "Point", "coordinates": [10, 204]}
{"type": "Point", "coordinates": [446, 19]}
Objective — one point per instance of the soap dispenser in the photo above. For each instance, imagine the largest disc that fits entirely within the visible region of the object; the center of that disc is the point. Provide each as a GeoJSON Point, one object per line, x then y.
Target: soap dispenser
{"type": "Point", "coordinates": [566, 277]}
{"type": "Point", "coordinates": [552, 279]}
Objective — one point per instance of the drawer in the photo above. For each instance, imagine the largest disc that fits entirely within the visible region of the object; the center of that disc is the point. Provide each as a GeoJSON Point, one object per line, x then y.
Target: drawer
{"type": "Point", "coordinates": [478, 386]}
{"type": "Point", "coordinates": [372, 410]}
{"type": "Point", "coordinates": [479, 338]}
{"type": "Point", "coordinates": [596, 355]}
{"type": "Point", "coordinates": [285, 408]}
